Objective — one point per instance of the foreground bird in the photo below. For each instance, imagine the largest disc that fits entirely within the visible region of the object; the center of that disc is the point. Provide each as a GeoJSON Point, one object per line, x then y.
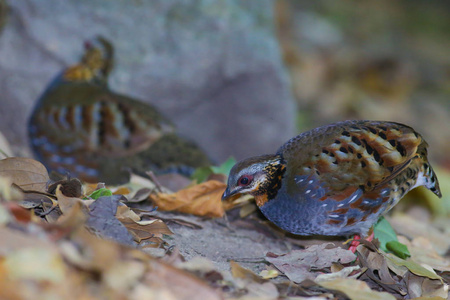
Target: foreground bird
{"type": "Point", "coordinates": [337, 179]}
{"type": "Point", "coordinates": [80, 127]}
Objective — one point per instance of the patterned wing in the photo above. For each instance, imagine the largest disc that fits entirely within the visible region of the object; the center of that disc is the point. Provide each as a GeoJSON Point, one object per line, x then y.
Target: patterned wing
{"type": "Point", "coordinates": [347, 170]}
{"type": "Point", "coordinates": [76, 125]}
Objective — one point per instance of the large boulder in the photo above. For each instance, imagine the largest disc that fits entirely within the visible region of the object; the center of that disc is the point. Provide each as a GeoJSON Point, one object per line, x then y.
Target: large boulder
{"type": "Point", "coordinates": [213, 66]}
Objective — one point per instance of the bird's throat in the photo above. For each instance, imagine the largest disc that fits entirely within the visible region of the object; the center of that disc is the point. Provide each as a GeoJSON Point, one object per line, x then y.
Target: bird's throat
{"type": "Point", "coordinates": [269, 188]}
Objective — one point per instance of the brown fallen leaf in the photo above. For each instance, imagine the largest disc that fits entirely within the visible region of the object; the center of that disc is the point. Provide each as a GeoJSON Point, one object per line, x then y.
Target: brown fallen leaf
{"type": "Point", "coordinates": [254, 286]}
{"type": "Point", "coordinates": [202, 200]}
{"type": "Point", "coordinates": [122, 190]}
{"type": "Point", "coordinates": [20, 214]}
{"type": "Point", "coordinates": [7, 192]}
{"type": "Point", "coordinates": [379, 273]}
{"type": "Point", "coordinates": [408, 226]}
{"type": "Point", "coordinates": [355, 289]}
{"type": "Point", "coordinates": [348, 272]}
{"type": "Point", "coordinates": [298, 265]}
{"type": "Point", "coordinates": [124, 212]}
{"type": "Point", "coordinates": [177, 284]}
{"type": "Point", "coordinates": [394, 261]}
{"type": "Point", "coordinates": [422, 251]}
{"type": "Point", "coordinates": [66, 203]}
{"type": "Point", "coordinates": [143, 230]}
{"type": "Point", "coordinates": [102, 220]}
{"type": "Point", "coordinates": [69, 187]}
{"type": "Point", "coordinates": [240, 272]}
{"type": "Point", "coordinates": [141, 195]}
{"type": "Point", "coordinates": [27, 173]}
{"type": "Point", "coordinates": [74, 217]}
{"type": "Point", "coordinates": [419, 286]}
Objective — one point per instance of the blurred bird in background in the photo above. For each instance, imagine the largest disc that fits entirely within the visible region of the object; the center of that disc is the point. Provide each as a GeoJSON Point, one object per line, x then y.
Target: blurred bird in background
{"type": "Point", "coordinates": [81, 128]}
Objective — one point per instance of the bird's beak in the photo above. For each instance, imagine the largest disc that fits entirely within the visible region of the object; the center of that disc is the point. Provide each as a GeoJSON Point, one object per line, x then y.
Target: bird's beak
{"type": "Point", "coordinates": [228, 194]}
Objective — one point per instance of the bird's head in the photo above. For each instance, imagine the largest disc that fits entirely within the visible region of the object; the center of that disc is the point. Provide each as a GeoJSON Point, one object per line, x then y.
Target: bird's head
{"type": "Point", "coordinates": [259, 176]}
{"type": "Point", "coordinates": [96, 63]}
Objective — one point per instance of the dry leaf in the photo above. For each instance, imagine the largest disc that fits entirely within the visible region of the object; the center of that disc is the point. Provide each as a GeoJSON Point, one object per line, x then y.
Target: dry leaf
{"type": "Point", "coordinates": [408, 226]}
{"type": "Point", "coordinates": [177, 283]}
{"type": "Point", "coordinates": [102, 220]}
{"type": "Point", "coordinates": [256, 287]}
{"type": "Point", "coordinates": [422, 251]}
{"type": "Point", "coordinates": [18, 212]}
{"type": "Point", "coordinates": [356, 289]}
{"type": "Point", "coordinates": [424, 287]}
{"type": "Point", "coordinates": [35, 263]}
{"type": "Point", "coordinates": [7, 192]}
{"type": "Point", "coordinates": [240, 272]}
{"type": "Point", "coordinates": [247, 209]}
{"type": "Point", "coordinates": [269, 274]}
{"type": "Point", "coordinates": [73, 218]}
{"type": "Point", "coordinates": [66, 203]}
{"type": "Point", "coordinates": [298, 264]}
{"type": "Point", "coordinates": [123, 275]}
{"type": "Point", "coordinates": [196, 264]}
{"type": "Point", "coordinates": [124, 212]}
{"type": "Point", "coordinates": [4, 147]}
{"type": "Point", "coordinates": [5, 216]}
{"type": "Point", "coordinates": [261, 291]}
{"type": "Point", "coordinates": [412, 266]}
{"type": "Point", "coordinates": [202, 200]}
{"type": "Point", "coordinates": [89, 252]}
{"type": "Point", "coordinates": [378, 272]}
{"type": "Point", "coordinates": [27, 173]}
{"type": "Point", "coordinates": [344, 273]}
{"type": "Point", "coordinates": [137, 182]}
{"type": "Point", "coordinates": [123, 190]}
{"type": "Point", "coordinates": [146, 229]}
{"type": "Point", "coordinates": [69, 187]}
{"type": "Point", "coordinates": [141, 195]}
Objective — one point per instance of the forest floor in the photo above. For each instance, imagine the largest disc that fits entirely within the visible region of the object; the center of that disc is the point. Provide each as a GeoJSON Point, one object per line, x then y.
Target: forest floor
{"type": "Point", "coordinates": [119, 243]}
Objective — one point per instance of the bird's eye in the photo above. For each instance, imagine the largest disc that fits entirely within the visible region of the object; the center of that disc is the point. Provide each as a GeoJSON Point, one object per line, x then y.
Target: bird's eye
{"type": "Point", "coordinates": [245, 180]}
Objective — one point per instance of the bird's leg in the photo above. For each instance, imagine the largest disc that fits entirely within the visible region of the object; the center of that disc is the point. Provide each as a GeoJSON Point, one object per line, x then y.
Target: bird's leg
{"type": "Point", "coordinates": [355, 242]}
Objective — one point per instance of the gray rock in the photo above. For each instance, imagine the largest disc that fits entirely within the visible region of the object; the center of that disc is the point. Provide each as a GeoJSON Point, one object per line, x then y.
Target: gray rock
{"type": "Point", "coordinates": [212, 66]}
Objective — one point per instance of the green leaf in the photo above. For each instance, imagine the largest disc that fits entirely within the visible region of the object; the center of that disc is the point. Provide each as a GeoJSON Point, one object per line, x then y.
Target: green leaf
{"type": "Point", "coordinates": [100, 193]}
{"type": "Point", "coordinates": [225, 167]}
{"type": "Point", "coordinates": [202, 173]}
{"type": "Point", "coordinates": [384, 232]}
{"type": "Point", "coordinates": [412, 266]}
{"type": "Point", "coordinates": [399, 249]}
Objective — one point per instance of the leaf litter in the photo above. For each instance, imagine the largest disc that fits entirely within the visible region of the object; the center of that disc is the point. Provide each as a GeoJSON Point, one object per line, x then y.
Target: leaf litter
{"type": "Point", "coordinates": [59, 241]}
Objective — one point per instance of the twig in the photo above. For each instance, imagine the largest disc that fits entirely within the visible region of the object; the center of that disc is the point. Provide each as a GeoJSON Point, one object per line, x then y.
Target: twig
{"type": "Point", "coordinates": [155, 180]}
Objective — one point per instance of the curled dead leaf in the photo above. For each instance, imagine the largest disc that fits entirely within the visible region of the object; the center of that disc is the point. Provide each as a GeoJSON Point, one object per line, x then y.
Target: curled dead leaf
{"type": "Point", "coordinates": [202, 199]}
{"type": "Point", "coordinates": [7, 192]}
{"type": "Point", "coordinates": [66, 203]}
{"type": "Point", "coordinates": [143, 230]}
{"type": "Point", "coordinates": [69, 187]}
{"type": "Point", "coordinates": [124, 212]}
{"type": "Point", "coordinates": [27, 173]}
{"type": "Point", "coordinates": [240, 272]}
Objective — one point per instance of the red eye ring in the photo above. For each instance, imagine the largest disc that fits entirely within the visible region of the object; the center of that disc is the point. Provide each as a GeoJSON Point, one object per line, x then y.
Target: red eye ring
{"type": "Point", "coordinates": [245, 180]}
